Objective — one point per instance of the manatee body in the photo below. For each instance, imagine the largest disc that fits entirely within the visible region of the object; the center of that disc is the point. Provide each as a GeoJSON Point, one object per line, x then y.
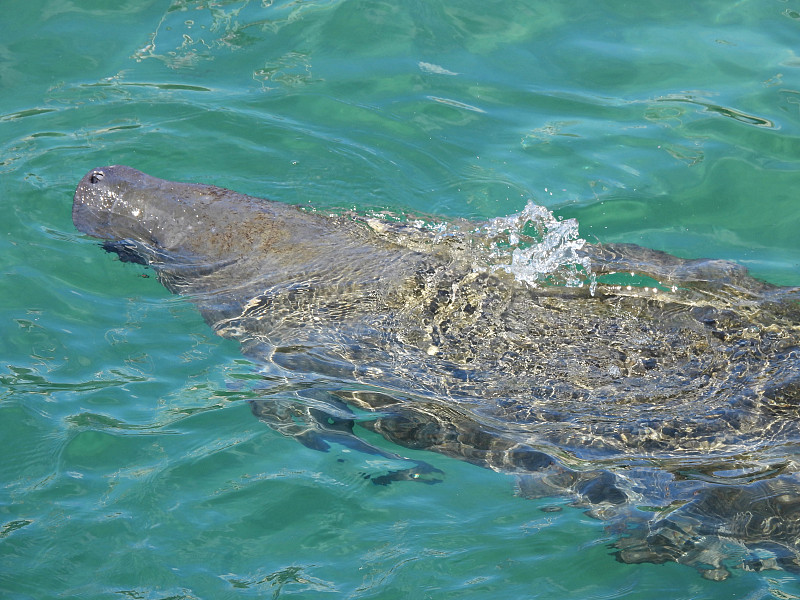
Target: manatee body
{"type": "Point", "coordinates": [663, 396]}
{"type": "Point", "coordinates": [721, 522]}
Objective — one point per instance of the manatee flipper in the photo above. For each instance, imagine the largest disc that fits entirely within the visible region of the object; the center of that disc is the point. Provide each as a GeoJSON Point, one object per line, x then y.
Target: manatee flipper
{"type": "Point", "coordinates": [312, 427]}
{"type": "Point", "coordinates": [421, 471]}
{"type": "Point", "coordinates": [320, 425]}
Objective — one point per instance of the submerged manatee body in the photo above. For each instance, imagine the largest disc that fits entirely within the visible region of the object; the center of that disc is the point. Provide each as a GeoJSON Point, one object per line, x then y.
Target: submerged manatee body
{"type": "Point", "coordinates": [680, 397]}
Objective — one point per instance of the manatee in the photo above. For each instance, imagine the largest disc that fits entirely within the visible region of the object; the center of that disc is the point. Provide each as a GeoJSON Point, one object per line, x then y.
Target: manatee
{"type": "Point", "coordinates": [667, 408]}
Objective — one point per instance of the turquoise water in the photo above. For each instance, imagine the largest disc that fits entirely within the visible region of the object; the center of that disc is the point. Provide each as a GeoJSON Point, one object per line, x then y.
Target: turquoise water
{"type": "Point", "coordinates": [132, 466]}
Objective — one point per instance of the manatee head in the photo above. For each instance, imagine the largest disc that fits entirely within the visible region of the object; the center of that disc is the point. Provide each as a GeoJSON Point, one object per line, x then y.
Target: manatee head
{"type": "Point", "coordinates": [159, 222]}
{"type": "Point", "coordinates": [188, 231]}
{"type": "Point", "coordinates": [113, 203]}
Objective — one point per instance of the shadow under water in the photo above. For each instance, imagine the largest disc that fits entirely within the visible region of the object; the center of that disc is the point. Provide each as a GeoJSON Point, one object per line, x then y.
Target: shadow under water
{"type": "Point", "coordinates": [659, 393]}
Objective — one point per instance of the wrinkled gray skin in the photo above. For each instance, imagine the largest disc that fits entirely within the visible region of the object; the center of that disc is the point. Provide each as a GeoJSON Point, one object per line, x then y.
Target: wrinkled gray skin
{"type": "Point", "coordinates": [682, 400]}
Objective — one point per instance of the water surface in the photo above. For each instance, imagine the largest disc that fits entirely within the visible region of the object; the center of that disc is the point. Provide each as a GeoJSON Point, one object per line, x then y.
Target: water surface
{"type": "Point", "coordinates": [133, 466]}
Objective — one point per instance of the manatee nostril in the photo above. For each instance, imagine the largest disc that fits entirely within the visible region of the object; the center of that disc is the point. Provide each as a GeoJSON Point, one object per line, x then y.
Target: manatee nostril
{"type": "Point", "coordinates": [97, 177]}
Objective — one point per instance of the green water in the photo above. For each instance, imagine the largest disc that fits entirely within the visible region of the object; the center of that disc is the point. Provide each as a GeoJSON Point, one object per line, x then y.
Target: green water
{"type": "Point", "coordinates": [131, 465]}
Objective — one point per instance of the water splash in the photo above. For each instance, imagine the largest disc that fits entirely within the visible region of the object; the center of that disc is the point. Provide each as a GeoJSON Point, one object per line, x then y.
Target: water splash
{"type": "Point", "coordinates": [533, 245]}
{"type": "Point", "coordinates": [536, 247]}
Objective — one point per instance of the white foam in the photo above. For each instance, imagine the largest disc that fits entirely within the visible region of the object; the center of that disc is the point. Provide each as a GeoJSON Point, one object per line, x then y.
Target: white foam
{"type": "Point", "coordinates": [536, 247]}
